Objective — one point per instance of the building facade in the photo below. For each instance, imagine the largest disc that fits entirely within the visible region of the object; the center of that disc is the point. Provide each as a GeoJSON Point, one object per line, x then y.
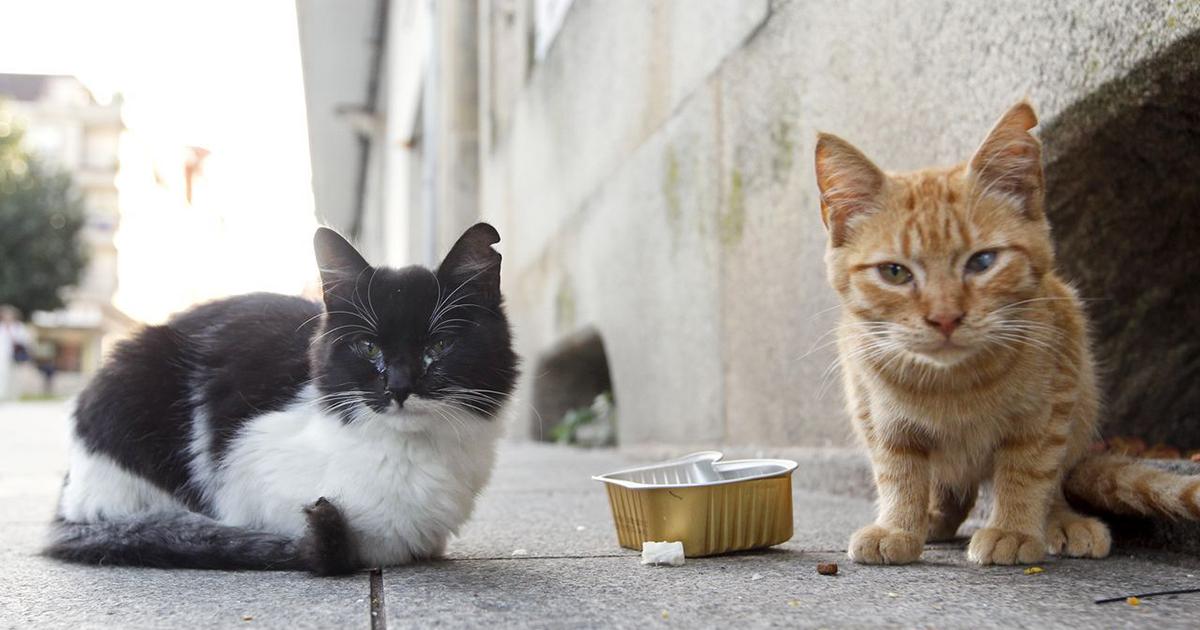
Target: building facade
{"type": "Point", "coordinates": [65, 125]}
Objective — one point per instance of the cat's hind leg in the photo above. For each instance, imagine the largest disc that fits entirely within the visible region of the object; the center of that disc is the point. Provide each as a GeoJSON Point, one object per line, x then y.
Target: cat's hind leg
{"type": "Point", "coordinates": [948, 508]}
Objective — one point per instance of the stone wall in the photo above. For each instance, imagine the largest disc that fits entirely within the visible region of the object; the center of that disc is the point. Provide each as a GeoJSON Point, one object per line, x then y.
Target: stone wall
{"type": "Point", "coordinates": [652, 176]}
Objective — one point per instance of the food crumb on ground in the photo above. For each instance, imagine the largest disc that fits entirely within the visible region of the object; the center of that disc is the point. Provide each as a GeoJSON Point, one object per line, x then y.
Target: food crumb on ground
{"type": "Point", "coordinates": [891, 594]}
{"type": "Point", "coordinates": [827, 568]}
{"type": "Point", "coordinates": [794, 603]}
{"type": "Point", "coordinates": [247, 618]}
{"type": "Point", "coordinates": [1034, 570]}
{"type": "Point", "coordinates": [666, 615]}
{"type": "Point", "coordinates": [756, 577]}
{"type": "Point", "coordinates": [1133, 601]}
{"type": "Point", "coordinates": [520, 552]}
{"type": "Point", "coordinates": [669, 553]}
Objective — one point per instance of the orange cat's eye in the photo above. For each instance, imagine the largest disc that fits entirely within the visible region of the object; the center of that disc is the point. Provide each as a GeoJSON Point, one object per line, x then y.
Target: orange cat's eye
{"type": "Point", "coordinates": [981, 261]}
{"type": "Point", "coordinates": [893, 273]}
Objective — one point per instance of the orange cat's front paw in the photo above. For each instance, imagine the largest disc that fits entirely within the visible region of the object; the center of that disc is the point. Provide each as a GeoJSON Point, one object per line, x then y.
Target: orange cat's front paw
{"type": "Point", "coordinates": [875, 544]}
{"type": "Point", "coordinates": [998, 546]}
{"type": "Point", "coordinates": [1078, 536]}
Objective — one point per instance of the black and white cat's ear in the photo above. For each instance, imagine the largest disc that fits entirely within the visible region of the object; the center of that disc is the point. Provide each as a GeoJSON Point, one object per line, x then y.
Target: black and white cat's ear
{"type": "Point", "coordinates": [340, 264]}
{"type": "Point", "coordinates": [474, 263]}
{"type": "Point", "coordinates": [849, 182]}
{"type": "Point", "coordinates": [1009, 162]}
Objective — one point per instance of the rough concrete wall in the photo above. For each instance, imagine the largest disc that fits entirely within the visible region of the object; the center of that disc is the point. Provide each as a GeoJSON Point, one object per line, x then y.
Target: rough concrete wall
{"type": "Point", "coordinates": [558, 184]}
{"type": "Point", "coordinates": [655, 179]}
{"type": "Point", "coordinates": [335, 53]}
{"type": "Point", "coordinates": [457, 187]}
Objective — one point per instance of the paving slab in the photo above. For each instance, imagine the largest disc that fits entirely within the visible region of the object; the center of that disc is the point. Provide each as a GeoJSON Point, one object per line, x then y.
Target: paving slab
{"type": "Point", "coordinates": [579, 523]}
{"type": "Point", "coordinates": [38, 592]}
{"type": "Point", "coordinates": [44, 593]}
{"type": "Point", "coordinates": [23, 501]}
{"type": "Point", "coordinates": [529, 466]}
{"type": "Point", "coordinates": [782, 588]}
{"type": "Point", "coordinates": [572, 573]}
{"type": "Point", "coordinates": [33, 460]}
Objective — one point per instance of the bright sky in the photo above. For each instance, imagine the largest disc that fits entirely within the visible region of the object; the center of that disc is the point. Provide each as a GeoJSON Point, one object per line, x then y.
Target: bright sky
{"type": "Point", "coordinates": [221, 74]}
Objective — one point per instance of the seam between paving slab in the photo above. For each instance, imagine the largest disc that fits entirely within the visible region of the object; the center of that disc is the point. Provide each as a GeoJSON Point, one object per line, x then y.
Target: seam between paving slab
{"type": "Point", "coordinates": [375, 602]}
{"type": "Point", "coordinates": [630, 554]}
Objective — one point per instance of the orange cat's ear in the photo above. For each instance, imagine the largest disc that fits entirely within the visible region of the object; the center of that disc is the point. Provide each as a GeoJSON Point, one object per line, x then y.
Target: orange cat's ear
{"type": "Point", "coordinates": [1009, 162]}
{"type": "Point", "coordinates": [849, 182]}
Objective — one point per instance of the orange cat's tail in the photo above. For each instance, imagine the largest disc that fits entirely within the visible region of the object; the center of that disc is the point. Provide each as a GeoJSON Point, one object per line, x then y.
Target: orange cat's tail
{"type": "Point", "coordinates": [1124, 485]}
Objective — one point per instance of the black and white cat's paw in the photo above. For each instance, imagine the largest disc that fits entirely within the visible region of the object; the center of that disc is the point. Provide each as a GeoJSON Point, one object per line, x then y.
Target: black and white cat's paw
{"type": "Point", "coordinates": [327, 546]}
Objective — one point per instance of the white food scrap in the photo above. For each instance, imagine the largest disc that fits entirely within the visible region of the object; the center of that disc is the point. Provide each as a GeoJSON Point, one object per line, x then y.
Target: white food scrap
{"type": "Point", "coordinates": [668, 553]}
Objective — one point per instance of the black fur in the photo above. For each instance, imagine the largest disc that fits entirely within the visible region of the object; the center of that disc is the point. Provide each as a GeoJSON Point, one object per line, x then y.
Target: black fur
{"type": "Point", "coordinates": [439, 334]}
{"type": "Point", "coordinates": [144, 385]}
{"type": "Point", "coordinates": [188, 540]}
{"type": "Point", "coordinates": [252, 357]}
{"type": "Point", "coordinates": [185, 540]}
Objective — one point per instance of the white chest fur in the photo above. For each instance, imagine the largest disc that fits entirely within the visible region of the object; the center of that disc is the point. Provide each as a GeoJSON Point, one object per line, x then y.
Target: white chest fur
{"type": "Point", "coordinates": [405, 483]}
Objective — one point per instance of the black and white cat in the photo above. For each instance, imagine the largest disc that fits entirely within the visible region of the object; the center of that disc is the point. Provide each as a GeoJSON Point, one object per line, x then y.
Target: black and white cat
{"type": "Point", "coordinates": [267, 432]}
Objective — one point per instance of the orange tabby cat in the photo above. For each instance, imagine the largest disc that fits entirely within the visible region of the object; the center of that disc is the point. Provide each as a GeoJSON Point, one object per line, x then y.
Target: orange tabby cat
{"type": "Point", "coordinates": [966, 357]}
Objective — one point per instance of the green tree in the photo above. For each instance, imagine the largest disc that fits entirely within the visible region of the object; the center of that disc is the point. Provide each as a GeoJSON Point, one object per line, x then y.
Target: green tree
{"type": "Point", "coordinates": [41, 216]}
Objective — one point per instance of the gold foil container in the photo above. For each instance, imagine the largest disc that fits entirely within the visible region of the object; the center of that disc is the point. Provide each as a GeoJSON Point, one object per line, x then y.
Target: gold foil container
{"type": "Point", "coordinates": [710, 506]}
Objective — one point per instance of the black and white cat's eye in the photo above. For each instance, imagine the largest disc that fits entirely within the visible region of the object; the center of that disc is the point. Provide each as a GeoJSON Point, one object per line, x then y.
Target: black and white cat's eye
{"type": "Point", "coordinates": [981, 261]}
{"type": "Point", "coordinates": [895, 273]}
{"type": "Point", "coordinates": [433, 351]}
{"type": "Point", "coordinates": [368, 349]}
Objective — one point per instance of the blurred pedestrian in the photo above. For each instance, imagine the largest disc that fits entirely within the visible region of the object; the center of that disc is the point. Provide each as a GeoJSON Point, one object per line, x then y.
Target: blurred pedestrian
{"type": "Point", "coordinates": [45, 359]}
{"type": "Point", "coordinates": [15, 344]}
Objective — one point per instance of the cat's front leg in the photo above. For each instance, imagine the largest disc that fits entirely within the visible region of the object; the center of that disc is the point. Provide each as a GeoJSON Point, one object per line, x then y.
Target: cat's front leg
{"type": "Point", "coordinates": [902, 480]}
{"type": "Point", "coordinates": [1069, 533]}
{"type": "Point", "coordinates": [1025, 478]}
{"type": "Point", "coordinates": [328, 546]}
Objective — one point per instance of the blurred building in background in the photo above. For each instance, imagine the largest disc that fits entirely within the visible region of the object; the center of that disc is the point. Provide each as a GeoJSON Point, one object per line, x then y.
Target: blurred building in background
{"type": "Point", "coordinates": [65, 125]}
{"type": "Point", "coordinates": [649, 166]}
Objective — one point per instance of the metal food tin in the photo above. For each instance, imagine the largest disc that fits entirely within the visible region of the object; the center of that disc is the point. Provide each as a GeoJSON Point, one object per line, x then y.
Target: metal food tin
{"type": "Point", "coordinates": [709, 505]}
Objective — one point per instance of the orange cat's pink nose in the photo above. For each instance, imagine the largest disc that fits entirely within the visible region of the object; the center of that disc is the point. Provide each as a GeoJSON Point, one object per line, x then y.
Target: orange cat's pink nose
{"type": "Point", "coordinates": [945, 322]}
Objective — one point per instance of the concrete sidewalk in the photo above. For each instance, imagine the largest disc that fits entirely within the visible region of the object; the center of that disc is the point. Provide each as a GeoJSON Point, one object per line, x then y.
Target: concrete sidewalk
{"type": "Point", "coordinates": [541, 551]}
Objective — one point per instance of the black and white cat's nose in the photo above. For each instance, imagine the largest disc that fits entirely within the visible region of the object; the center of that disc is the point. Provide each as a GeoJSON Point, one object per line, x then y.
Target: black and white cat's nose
{"type": "Point", "coordinates": [399, 383]}
{"type": "Point", "coordinates": [399, 394]}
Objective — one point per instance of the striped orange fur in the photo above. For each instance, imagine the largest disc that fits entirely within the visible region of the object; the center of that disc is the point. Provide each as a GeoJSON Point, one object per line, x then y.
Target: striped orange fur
{"type": "Point", "coordinates": [965, 358]}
